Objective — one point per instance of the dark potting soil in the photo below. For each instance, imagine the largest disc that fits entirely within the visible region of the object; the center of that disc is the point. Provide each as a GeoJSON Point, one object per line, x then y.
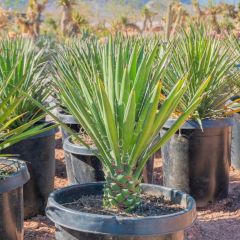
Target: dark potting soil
{"type": "Point", "coordinates": [6, 170]}
{"type": "Point", "coordinates": [149, 206]}
{"type": "Point", "coordinates": [85, 138]}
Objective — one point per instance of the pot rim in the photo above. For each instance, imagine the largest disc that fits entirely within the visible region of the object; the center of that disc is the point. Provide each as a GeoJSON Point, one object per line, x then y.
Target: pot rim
{"type": "Point", "coordinates": [17, 179]}
{"type": "Point", "coordinates": [77, 148]}
{"type": "Point", "coordinates": [206, 123]}
{"type": "Point", "coordinates": [118, 225]}
{"type": "Point", "coordinates": [48, 133]}
{"type": "Point", "coordinates": [66, 118]}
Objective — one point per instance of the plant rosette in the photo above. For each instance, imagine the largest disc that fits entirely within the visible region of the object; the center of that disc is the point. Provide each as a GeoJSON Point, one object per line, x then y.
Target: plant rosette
{"type": "Point", "coordinates": [117, 104]}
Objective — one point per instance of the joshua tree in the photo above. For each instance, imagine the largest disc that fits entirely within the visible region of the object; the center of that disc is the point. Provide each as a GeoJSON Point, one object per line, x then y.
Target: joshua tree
{"type": "Point", "coordinates": [169, 21]}
{"type": "Point", "coordinates": [125, 25]}
{"type": "Point", "coordinates": [26, 27]}
{"type": "Point", "coordinates": [67, 15]}
{"type": "Point", "coordinates": [176, 16]}
{"type": "Point", "coordinates": [78, 21]}
{"type": "Point", "coordinates": [181, 14]}
{"type": "Point", "coordinates": [147, 17]}
{"type": "Point", "coordinates": [230, 15]}
{"type": "Point", "coordinates": [198, 10]}
{"type": "Point", "coordinates": [212, 13]}
{"type": "Point", "coordinates": [34, 13]}
{"type": "Point", "coordinates": [3, 18]}
{"type": "Point", "coordinates": [29, 23]}
{"type": "Point", "coordinates": [228, 10]}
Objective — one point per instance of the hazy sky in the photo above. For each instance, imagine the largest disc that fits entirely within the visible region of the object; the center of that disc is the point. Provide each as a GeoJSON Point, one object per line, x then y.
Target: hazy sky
{"type": "Point", "coordinates": [218, 1]}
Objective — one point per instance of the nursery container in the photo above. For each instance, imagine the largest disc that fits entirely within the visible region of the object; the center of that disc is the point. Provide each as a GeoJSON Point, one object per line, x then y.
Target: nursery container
{"type": "Point", "coordinates": [81, 163]}
{"type": "Point", "coordinates": [197, 161]}
{"type": "Point", "coordinates": [11, 200]}
{"type": "Point", "coordinates": [235, 145]}
{"type": "Point", "coordinates": [39, 154]}
{"type": "Point", "coordinates": [74, 225]}
{"type": "Point", "coordinates": [69, 120]}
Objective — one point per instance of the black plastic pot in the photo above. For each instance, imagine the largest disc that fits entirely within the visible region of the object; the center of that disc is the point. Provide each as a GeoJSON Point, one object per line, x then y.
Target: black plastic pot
{"type": "Point", "coordinates": [73, 225]}
{"type": "Point", "coordinates": [148, 171]}
{"type": "Point", "coordinates": [196, 161]}
{"type": "Point", "coordinates": [235, 146]}
{"type": "Point", "coordinates": [11, 201]}
{"type": "Point", "coordinates": [39, 154]}
{"type": "Point", "coordinates": [69, 120]}
{"type": "Point", "coordinates": [81, 163]}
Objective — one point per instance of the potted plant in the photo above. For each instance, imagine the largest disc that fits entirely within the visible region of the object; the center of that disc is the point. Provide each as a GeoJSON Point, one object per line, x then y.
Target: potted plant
{"type": "Point", "coordinates": [196, 159]}
{"type": "Point", "coordinates": [38, 151]}
{"type": "Point", "coordinates": [235, 146]}
{"type": "Point", "coordinates": [121, 114]}
{"type": "Point", "coordinates": [82, 165]}
{"type": "Point", "coordinates": [13, 172]}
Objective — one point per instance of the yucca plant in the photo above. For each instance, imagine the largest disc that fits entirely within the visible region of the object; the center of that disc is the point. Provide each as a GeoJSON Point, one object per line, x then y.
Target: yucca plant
{"type": "Point", "coordinates": [203, 57]}
{"type": "Point", "coordinates": [119, 110]}
{"type": "Point", "coordinates": [27, 65]}
{"type": "Point", "coordinates": [9, 104]}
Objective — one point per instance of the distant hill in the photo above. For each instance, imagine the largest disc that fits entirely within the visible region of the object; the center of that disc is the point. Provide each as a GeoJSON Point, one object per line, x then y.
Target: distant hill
{"type": "Point", "coordinates": [100, 4]}
{"type": "Point", "coordinates": [22, 3]}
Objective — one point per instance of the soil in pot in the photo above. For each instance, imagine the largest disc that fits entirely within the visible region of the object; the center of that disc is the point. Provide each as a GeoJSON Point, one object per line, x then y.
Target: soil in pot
{"type": "Point", "coordinates": [163, 214]}
{"type": "Point", "coordinates": [14, 175]}
{"type": "Point", "coordinates": [197, 161]}
{"type": "Point", "coordinates": [150, 206]}
{"type": "Point", "coordinates": [39, 154]}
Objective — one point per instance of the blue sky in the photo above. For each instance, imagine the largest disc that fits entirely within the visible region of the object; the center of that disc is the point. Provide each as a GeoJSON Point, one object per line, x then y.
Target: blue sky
{"type": "Point", "coordinates": [218, 1]}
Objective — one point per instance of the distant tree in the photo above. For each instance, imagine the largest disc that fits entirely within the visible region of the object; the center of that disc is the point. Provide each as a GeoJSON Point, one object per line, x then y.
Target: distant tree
{"type": "Point", "coordinates": [78, 22]}
{"type": "Point", "coordinates": [26, 27]}
{"type": "Point", "coordinates": [147, 14]}
{"type": "Point", "coordinates": [34, 13]}
{"type": "Point", "coordinates": [198, 10]}
{"type": "Point", "coordinates": [212, 12]}
{"type": "Point", "coordinates": [66, 19]}
{"type": "Point", "coordinates": [124, 25]}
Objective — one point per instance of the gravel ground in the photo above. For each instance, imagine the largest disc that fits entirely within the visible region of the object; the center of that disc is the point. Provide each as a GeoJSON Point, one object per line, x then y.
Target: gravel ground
{"type": "Point", "coordinates": [219, 221]}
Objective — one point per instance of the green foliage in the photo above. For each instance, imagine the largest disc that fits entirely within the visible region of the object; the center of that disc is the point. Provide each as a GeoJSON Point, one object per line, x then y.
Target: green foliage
{"type": "Point", "coordinates": [113, 90]}
{"type": "Point", "coordinates": [12, 100]}
{"type": "Point", "coordinates": [29, 76]}
{"type": "Point", "coordinates": [202, 57]}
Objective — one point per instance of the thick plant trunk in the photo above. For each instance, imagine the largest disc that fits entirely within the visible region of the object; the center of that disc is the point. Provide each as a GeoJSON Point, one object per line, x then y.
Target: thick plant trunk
{"type": "Point", "coordinates": [66, 19]}
{"type": "Point", "coordinates": [121, 190]}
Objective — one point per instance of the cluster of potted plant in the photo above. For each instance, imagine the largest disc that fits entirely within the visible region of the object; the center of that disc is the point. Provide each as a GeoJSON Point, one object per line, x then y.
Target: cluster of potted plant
{"type": "Point", "coordinates": [25, 135]}
{"type": "Point", "coordinates": [121, 101]}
